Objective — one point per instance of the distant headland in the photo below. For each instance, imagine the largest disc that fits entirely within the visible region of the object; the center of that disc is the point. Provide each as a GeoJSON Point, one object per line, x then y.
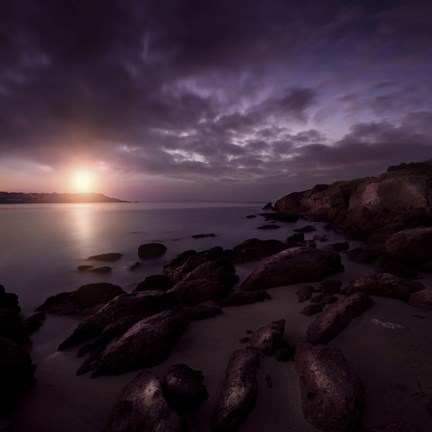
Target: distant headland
{"type": "Point", "coordinates": [51, 198]}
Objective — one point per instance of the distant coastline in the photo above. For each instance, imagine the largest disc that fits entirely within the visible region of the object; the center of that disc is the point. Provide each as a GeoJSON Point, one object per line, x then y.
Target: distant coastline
{"type": "Point", "coordinates": [52, 198]}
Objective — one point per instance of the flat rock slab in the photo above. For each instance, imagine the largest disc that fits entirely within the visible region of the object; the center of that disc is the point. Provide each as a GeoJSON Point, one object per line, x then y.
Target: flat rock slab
{"type": "Point", "coordinates": [142, 407]}
{"type": "Point", "coordinates": [383, 285]}
{"type": "Point", "coordinates": [332, 395]}
{"type": "Point", "coordinates": [239, 391]}
{"type": "Point", "coordinates": [85, 299]}
{"type": "Point", "coordinates": [337, 317]}
{"type": "Point", "coordinates": [291, 266]}
{"type": "Point", "coordinates": [142, 304]}
{"type": "Point", "coordinates": [145, 344]}
{"type": "Point", "coordinates": [269, 338]}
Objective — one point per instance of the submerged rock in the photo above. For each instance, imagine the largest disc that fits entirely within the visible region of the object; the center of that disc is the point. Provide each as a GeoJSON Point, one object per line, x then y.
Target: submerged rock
{"type": "Point", "coordinates": [151, 250]}
{"type": "Point", "coordinates": [292, 266]}
{"type": "Point", "coordinates": [142, 407]}
{"type": "Point", "coordinates": [239, 391]}
{"type": "Point", "coordinates": [85, 299]}
{"type": "Point", "coordinates": [332, 395]}
{"type": "Point", "coordinates": [140, 304]}
{"type": "Point", "coordinates": [114, 256]}
{"type": "Point", "coordinates": [101, 270]}
{"type": "Point", "coordinates": [255, 249]}
{"type": "Point", "coordinates": [183, 388]}
{"type": "Point", "coordinates": [145, 344]}
{"type": "Point", "coordinates": [383, 285]}
{"type": "Point", "coordinates": [269, 338]}
{"type": "Point", "coordinates": [336, 317]}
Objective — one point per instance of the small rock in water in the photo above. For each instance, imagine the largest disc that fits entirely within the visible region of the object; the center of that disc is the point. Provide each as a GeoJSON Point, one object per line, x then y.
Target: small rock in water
{"type": "Point", "coordinates": [251, 217]}
{"type": "Point", "coordinates": [198, 236]}
{"type": "Point", "coordinates": [101, 270]}
{"type": "Point", "coordinates": [83, 268]}
{"type": "Point", "coordinates": [154, 282]}
{"type": "Point", "coordinates": [151, 250]}
{"type": "Point", "coordinates": [269, 227]}
{"type": "Point", "coordinates": [244, 340]}
{"type": "Point", "coordinates": [106, 257]}
{"type": "Point", "coordinates": [305, 229]}
{"type": "Point", "coordinates": [134, 266]}
{"type": "Point", "coordinates": [305, 293]}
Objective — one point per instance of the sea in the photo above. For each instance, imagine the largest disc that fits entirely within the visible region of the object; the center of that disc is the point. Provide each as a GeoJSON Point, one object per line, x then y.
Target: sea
{"type": "Point", "coordinates": [41, 247]}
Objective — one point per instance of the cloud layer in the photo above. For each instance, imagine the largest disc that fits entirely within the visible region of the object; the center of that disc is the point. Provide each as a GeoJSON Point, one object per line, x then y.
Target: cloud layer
{"type": "Point", "coordinates": [232, 95]}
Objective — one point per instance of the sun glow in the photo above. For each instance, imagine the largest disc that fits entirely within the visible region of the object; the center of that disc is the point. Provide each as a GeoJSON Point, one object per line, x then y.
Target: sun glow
{"type": "Point", "coordinates": [83, 181]}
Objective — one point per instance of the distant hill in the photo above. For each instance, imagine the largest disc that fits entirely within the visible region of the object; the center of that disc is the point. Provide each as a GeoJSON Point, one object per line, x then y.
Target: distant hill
{"type": "Point", "coordinates": [50, 198]}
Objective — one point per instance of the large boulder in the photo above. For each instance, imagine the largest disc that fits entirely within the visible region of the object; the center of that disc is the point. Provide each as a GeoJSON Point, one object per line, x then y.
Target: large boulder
{"type": "Point", "coordinates": [411, 245]}
{"type": "Point", "coordinates": [336, 317]}
{"type": "Point", "coordinates": [153, 283]}
{"type": "Point", "coordinates": [183, 387]}
{"type": "Point", "coordinates": [85, 299]}
{"type": "Point", "coordinates": [292, 266]}
{"type": "Point", "coordinates": [220, 270]}
{"type": "Point", "coordinates": [268, 339]}
{"type": "Point", "coordinates": [239, 391]}
{"type": "Point", "coordinates": [151, 250]}
{"type": "Point", "coordinates": [9, 300]}
{"type": "Point", "coordinates": [332, 395]}
{"type": "Point", "coordinates": [141, 304]}
{"type": "Point", "coordinates": [145, 344]}
{"type": "Point", "coordinates": [189, 260]}
{"type": "Point", "coordinates": [383, 285]}
{"type": "Point", "coordinates": [193, 292]}
{"type": "Point", "coordinates": [422, 298]}
{"type": "Point", "coordinates": [142, 407]}
{"type": "Point", "coordinates": [255, 249]}
{"type": "Point", "coordinates": [16, 374]}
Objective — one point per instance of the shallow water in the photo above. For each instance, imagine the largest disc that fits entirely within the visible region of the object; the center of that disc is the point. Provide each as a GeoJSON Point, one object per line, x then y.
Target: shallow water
{"type": "Point", "coordinates": [43, 245]}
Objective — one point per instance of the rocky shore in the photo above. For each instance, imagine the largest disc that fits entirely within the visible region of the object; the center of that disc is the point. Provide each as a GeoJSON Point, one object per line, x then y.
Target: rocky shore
{"type": "Point", "coordinates": [304, 304]}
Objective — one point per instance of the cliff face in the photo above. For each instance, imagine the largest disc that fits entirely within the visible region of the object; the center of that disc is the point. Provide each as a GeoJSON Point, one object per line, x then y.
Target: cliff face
{"type": "Point", "coordinates": [370, 207]}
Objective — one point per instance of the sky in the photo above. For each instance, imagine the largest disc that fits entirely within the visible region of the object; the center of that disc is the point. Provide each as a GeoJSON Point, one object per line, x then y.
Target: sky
{"type": "Point", "coordinates": [216, 100]}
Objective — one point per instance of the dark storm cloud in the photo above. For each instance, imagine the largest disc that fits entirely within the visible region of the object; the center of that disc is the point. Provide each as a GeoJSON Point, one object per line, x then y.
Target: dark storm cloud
{"type": "Point", "coordinates": [224, 90]}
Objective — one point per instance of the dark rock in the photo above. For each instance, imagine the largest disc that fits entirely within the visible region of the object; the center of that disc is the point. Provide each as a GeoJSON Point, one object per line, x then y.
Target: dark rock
{"type": "Point", "coordinates": [281, 216]}
{"type": "Point", "coordinates": [248, 331]}
{"type": "Point", "coordinates": [106, 257]}
{"type": "Point", "coordinates": [239, 391]}
{"type": "Point", "coordinates": [337, 317]}
{"type": "Point", "coordinates": [422, 298]}
{"type": "Point", "coordinates": [193, 292]}
{"type": "Point", "coordinates": [251, 217]}
{"type": "Point", "coordinates": [183, 388]}
{"type": "Point", "coordinates": [330, 286]}
{"type": "Point", "coordinates": [141, 406]}
{"type": "Point", "coordinates": [295, 238]}
{"type": "Point", "coordinates": [324, 299]}
{"type": "Point", "coordinates": [305, 229]}
{"type": "Point", "coordinates": [244, 298]}
{"type": "Point", "coordinates": [188, 261]}
{"type": "Point", "coordinates": [255, 249]}
{"type": "Point", "coordinates": [244, 340]}
{"type": "Point", "coordinates": [338, 247]}
{"type": "Point", "coordinates": [203, 311]}
{"type": "Point", "coordinates": [284, 353]}
{"type": "Point", "coordinates": [134, 266]}
{"type": "Point", "coordinates": [269, 338]}
{"type": "Point", "coordinates": [320, 238]}
{"type": "Point", "coordinates": [84, 268]}
{"type": "Point", "coordinates": [11, 326]}
{"type": "Point", "coordinates": [151, 250]}
{"type": "Point", "coordinates": [292, 266]}
{"type": "Point", "coordinates": [84, 300]}
{"type": "Point", "coordinates": [268, 206]}
{"type": "Point", "coordinates": [145, 344]}
{"type": "Point", "coordinates": [141, 304]}
{"type": "Point", "coordinates": [386, 265]}
{"type": "Point", "coordinates": [269, 227]}
{"type": "Point", "coordinates": [383, 285]}
{"type": "Point", "coordinates": [305, 293]}
{"type": "Point", "coordinates": [361, 255]}
{"type": "Point", "coordinates": [9, 300]}
{"type": "Point", "coordinates": [198, 236]}
{"type": "Point", "coordinates": [220, 270]}
{"type": "Point", "coordinates": [101, 270]}
{"type": "Point", "coordinates": [16, 374]}
{"type": "Point", "coordinates": [312, 309]}
{"type": "Point", "coordinates": [411, 245]}
{"type": "Point", "coordinates": [332, 395]}
{"type": "Point", "coordinates": [153, 283]}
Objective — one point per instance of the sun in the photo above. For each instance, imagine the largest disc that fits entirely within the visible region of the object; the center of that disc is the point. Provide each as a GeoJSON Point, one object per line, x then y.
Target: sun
{"type": "Point", "coordinates": [83, 181]}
